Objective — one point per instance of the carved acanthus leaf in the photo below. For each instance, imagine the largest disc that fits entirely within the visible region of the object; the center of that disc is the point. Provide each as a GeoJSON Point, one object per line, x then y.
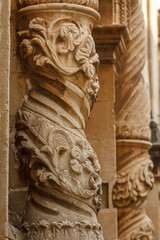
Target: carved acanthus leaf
{"type": "Point", "coordinates": [61, 168]}
{"type": "Point", "coordinates": [63, 48]}
{"type": "Point", "coordinates": [144, 231]}
{"type": "Point", "coordinates": [129, 131]}
{"type": "Point", "coordinates": [53, 145]}
{"type": "Point", "coordinates": [41, 35]}
{"type": "Point", "coordinates": [133, 184]}
{"type": "Point", "coordinates": [63, 230]}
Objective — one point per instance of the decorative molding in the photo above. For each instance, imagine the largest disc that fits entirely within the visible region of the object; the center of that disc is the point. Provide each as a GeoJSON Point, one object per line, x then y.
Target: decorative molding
{"type": "Point", "coordinates": [61, 168]}
{"type": "Point", "coordinates": [135, 132]}
{"type": "Point", "coordinates": [89, 3]}
{"type": "Point", "coordinates": [122, 12]}
{"type": "Point", "coordinates": [133, 184]}
{"type": "Point", "coordinates": [63, 230]}
{"type": "Point", "coordinates": [113, 37]}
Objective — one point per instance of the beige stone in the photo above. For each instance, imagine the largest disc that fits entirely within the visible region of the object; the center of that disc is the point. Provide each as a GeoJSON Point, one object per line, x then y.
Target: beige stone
{"type": "Point", "coordinates": [54, 173]}
{"type": "Point", "coordinates": [4, 113]}
{"type": "Point", "coordinates": [152, 206]}
{"type": "Point", "coordinates": [61, 168]}
{"type": "Point", "coordinates": [132, 111]}
{"type": "Point", "coordinates": [108, 219]}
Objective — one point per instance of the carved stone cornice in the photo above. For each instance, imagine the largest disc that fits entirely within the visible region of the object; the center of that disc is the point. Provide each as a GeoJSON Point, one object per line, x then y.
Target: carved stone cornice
{"type": "Point", "coordinates": [61, 168]}
{"type": "Point", "coordinates": [112, 37]}
{"type": "Point", "coordinates": [111, 43]}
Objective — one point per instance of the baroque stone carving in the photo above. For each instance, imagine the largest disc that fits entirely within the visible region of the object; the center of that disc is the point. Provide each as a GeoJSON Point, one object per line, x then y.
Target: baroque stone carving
{"type": "Point", "coordinates": [56, 145]}
{"type": "Point", "coordinates": [134, 181]}
{"type": "Point", "coordinates": [63, 230]}
{"type": "Point", "coordinates": [133, 184]}
{"type": "Point", "coordinates": [144, 231]}
{"type": "Point", "coordinates": [60, 166]}
{"type": "Point", "coordinates": [132, 108]}
{"type": "Point", "coordinates": [65, 43]}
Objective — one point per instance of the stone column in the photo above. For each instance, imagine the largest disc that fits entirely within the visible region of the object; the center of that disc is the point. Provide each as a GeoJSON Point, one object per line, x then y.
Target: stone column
{"type": "Point", "coordinates": [60, 166]}
{"type": "Point", "coordinates": [153, 59]}
{"type": "Point", "coordinates": [132, 109]}
{"type": "Point", "coordinates": [111, 37]}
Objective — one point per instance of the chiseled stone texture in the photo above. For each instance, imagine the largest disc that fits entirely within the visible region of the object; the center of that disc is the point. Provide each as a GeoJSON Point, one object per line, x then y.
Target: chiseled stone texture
{"type": "Point", "coordinates": [132, 109]}
{"type": "Point", "coordinates": [100, 128]}
{"type": "Point", "coordinates": [61, 168]}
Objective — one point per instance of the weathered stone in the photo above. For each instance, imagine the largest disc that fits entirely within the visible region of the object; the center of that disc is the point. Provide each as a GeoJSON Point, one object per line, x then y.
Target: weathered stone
{"type": "Point", "coordinates": [55, 194]}
{"type": "Point", "coordinates": [4, 113]}
{"type": "Point", "coordinates": [61, 168]}
{"type": "Point", "coordinates": [132, 110]}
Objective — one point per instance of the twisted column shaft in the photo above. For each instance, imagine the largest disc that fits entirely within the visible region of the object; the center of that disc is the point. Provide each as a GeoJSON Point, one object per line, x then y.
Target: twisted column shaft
{"type": "Point", "coordinates": [132, 108]}
{"type": "Point", "coordinates": [60, 166]}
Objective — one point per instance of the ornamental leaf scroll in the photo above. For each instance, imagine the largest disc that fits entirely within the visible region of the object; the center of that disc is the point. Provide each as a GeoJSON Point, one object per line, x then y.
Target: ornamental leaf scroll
{"type": "Point", "coordinates": [62, 46]}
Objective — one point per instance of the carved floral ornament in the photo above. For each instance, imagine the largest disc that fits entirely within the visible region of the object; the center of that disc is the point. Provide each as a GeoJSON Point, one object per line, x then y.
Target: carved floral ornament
{"type": "Point", "coordinates": [133, 185]}
{"type": "Point", "coordinates": [89, 3]}
{"type": "Point", "coordinates": [61, 168]}
{"type": "Point", "coordinates": [65, 49]}
{"type": "Point", "coordinates": [145, 231]}
{"type": "Point", "coordinates": [63, 230]}
{"type": "Point", "coordinates": [45, 160]}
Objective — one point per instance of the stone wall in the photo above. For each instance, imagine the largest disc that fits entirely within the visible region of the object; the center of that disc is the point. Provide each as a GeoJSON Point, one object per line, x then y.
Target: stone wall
{"type": "Point", "coordinates": [4, 113]}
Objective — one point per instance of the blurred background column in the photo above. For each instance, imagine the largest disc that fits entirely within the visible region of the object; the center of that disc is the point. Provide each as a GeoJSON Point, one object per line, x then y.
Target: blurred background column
{"type": "Point", "coordinates": [151, 73]}
{"type": "Point", "coordinates": [152, 69]}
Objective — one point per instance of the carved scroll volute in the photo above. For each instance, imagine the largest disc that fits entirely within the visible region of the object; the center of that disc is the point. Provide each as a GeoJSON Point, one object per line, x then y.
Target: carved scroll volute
{"type": "Point", "coordinates": [61, 168]}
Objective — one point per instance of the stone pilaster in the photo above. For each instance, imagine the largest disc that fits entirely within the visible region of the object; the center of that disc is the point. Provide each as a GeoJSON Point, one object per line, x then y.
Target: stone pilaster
{"type": "Point", "coordinates": [132, 109]}
{"type": "Point", "coordinates": [4, 113]}
{"type": "Point", "coordinates": [60, 167]}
